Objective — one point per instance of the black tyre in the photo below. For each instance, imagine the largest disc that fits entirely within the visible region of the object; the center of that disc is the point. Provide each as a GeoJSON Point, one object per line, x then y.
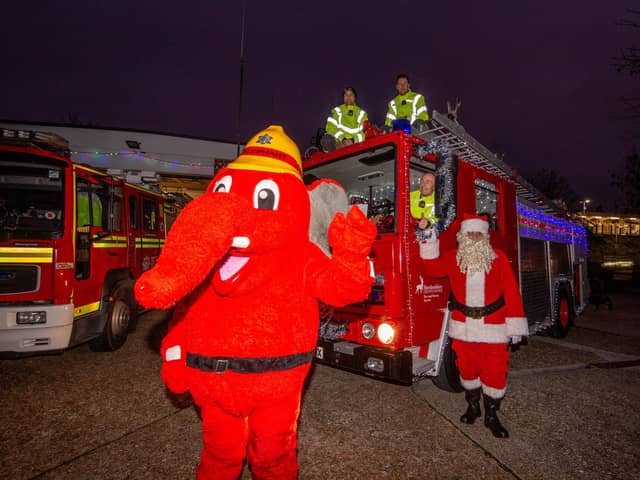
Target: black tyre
{"type": "Point", "coordinates": [448, 378]}
{"type": "Point", "coordinates": [563, 316]}
{"type": "Point", "coordinates": [121, 314]}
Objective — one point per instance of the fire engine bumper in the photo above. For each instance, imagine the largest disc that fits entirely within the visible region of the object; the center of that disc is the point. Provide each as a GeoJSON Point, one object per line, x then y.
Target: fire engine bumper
{"type": "Point", "coordinates": [382, 363]}
{"type": "Point", "coordinates": [35, 328]}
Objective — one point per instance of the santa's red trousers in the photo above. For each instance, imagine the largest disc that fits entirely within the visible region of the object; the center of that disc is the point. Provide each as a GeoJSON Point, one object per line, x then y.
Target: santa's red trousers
{"type": "Point", "coordinates": [267, 435]}
{"type": "Point", "coordinates": [488, 362]}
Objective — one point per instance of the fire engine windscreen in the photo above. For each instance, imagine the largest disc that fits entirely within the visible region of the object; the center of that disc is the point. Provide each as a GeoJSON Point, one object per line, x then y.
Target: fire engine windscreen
{"type": "Point", "coordinates": [369, 179]}
{"type": "Point", "coordinates": [31, 197]}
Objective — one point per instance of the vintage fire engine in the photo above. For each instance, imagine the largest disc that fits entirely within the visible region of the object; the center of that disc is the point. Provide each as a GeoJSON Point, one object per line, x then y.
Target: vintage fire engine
{"type": "Point", "coordinates": [400, 332]}
{"type": "Point", "coordinates": [72, 241]}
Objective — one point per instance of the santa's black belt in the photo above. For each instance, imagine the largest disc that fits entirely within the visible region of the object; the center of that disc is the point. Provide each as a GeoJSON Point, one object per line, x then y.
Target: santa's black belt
{"type": "Point", "coordinates": [477, 312]}
{"type": "Point", "coordinates": [248, 364]}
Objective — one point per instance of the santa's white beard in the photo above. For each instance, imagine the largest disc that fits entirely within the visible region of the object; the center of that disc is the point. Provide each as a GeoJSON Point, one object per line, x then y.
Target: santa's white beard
{"type": "Point", "coordinates": [474, 255]}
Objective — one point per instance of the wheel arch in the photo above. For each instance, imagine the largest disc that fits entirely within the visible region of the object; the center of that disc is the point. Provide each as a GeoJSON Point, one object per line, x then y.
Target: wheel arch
{"type": "Point", "coordinates": [111, 278]}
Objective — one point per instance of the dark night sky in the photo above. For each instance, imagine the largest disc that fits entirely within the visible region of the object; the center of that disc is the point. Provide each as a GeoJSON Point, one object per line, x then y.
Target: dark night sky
{"type": "Point", "coordinates": [535, 78]}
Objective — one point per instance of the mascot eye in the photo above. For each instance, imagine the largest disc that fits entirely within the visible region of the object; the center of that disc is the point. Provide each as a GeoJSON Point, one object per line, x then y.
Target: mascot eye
{"type": "Point", "coordinates": [223, 185]}
{"type": "Point", "coordinates": [266, 195]}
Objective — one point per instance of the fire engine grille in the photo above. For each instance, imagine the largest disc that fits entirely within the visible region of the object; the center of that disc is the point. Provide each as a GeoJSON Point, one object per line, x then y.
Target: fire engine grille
{"type": "Point", "coordinates": [18, 278]}
{"type": "Point", "coordinates": [535, 280]}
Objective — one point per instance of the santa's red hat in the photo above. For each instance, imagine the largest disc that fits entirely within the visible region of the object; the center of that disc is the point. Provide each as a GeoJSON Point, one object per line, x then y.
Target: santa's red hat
{"type": "Point", "coordinates": [474, 223]}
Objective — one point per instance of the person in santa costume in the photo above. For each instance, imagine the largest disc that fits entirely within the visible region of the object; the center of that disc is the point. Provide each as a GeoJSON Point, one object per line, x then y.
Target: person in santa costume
{"type": "Point", "coordinates": [487, 316]}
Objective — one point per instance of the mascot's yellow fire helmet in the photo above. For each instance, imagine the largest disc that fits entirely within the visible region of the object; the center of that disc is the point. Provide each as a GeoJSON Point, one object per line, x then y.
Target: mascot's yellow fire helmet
{"type": "Point", "coordinates": [271, 150]}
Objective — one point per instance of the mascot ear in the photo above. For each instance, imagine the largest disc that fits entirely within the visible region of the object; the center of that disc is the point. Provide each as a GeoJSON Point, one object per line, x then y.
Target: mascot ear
{"type": "Point", "coordinates": [327, 197]}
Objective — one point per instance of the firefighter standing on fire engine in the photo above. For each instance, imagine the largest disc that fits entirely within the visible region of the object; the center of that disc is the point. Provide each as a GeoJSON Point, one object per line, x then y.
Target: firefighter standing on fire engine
{"type": "Point", "coordinates": [487, 316]}
{"type": "Point", "coordinates": [407, 105]}
{"type": "Point", "coordinates": [345, 124]}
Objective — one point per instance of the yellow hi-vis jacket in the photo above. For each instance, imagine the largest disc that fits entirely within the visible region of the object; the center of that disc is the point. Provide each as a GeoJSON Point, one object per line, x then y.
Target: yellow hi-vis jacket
{"type": "Point", "coordinates": [347, 121]}
{"type": "Point", "coordinates": [411, 106]}
{"type": "Point", "coordinates": [423, 206]}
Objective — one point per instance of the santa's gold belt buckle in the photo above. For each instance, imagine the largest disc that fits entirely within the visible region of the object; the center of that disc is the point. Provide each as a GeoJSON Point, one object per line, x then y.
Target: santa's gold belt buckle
{"type": "Point", "coordinates": [476, 312]}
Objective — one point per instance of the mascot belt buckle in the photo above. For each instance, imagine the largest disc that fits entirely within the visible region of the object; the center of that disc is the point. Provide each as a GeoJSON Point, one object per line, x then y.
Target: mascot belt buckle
{"type": "Point", "coordinates": [476, 312]}
{"type": "Point", "coordinates": [221, 365]}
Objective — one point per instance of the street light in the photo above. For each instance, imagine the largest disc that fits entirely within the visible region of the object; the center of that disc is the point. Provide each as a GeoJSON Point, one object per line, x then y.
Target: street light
{"type": "Point", "coordinates": [584, 205]}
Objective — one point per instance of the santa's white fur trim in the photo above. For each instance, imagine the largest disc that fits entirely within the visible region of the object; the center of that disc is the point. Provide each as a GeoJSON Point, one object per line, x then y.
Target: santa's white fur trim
{"type": "Point", "coordinates": [495, 393]}
{"type": "Point", "coordinates": [429, 249]}
{"type": "Point", "coordinates": [470, 384]}
{"type": "Point", "coordinates": [517, 326]}
{"type": "Point", "coordinates": [474, 225]}
{"type": "Point", "coordinates": [477, 331]}
{"type": "Point", "coordinates": [475, 283]}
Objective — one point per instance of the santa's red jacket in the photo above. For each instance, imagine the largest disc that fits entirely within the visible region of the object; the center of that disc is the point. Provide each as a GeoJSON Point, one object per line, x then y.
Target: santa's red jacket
{"type": "Point", "coordinates": [478, 290]}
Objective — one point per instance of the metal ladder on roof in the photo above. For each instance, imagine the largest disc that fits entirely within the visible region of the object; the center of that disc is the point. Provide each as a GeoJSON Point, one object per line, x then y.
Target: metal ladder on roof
{"type": "Point", "coordinates": [471, 150]}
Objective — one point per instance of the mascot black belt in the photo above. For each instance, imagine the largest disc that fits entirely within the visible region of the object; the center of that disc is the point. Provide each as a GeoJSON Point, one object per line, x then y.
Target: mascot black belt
{"type": "Point", "coordinates": [248, 364]}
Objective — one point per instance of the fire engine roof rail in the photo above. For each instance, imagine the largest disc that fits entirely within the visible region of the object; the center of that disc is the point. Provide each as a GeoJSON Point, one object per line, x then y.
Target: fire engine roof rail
{"type": "Point", "coordinates": [471, 150]}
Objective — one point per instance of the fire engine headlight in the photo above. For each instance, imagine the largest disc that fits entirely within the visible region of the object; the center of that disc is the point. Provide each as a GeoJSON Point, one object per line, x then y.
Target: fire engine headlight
{"type": "Point", "coordinates": [29, 318]}
{"type": "Point", "coordinates": [385, 333]}
{"type": "Point", "coordinates": [368, 331]}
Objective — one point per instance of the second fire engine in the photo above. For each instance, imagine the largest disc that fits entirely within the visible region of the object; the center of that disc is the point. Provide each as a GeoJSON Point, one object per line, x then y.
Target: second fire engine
{"type": "Point", "coordinates": [72, 241]}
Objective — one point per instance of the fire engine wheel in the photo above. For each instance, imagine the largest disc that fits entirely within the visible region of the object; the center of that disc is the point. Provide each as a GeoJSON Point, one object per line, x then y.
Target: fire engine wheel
{"type": "Point", "coordinates": [119, 318]}
{"type": "Point", "coordinates": [563, 315]}
{"type": "Point", "coordinates": [448, 379]}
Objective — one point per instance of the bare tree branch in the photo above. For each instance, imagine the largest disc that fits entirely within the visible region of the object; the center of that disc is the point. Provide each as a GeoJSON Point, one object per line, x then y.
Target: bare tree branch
{"type": "Point", "coordinates": [629, 61]}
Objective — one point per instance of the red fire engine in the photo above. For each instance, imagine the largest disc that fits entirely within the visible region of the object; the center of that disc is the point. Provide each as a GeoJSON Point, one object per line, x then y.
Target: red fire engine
{"type": "Point", "coordinates": [400, 332]}
{"type": "Point", "coordinates": [72, 241]}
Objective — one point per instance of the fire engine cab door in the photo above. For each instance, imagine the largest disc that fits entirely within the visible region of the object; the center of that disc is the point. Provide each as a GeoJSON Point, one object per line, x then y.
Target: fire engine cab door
{"type": "Point", "coordinates": [151, 230]}
{"type": "Point", "coordinates": [134, 235]}
{"type": "Point", "coordinates": [96, 249]}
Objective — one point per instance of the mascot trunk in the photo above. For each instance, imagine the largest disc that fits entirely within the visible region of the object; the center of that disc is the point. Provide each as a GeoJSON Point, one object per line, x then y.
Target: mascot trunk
{"type": "Point", "coordinates": [246, 279]}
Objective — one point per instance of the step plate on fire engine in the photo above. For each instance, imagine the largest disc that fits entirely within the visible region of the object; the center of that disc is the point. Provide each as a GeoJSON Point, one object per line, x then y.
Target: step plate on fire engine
{"type": "Point", "coordinates": [347, 348]}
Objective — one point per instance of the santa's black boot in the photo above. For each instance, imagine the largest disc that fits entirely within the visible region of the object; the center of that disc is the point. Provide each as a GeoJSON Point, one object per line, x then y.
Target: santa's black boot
{"type": "Point", "coordinates": [473, 410]}
{"type": "Point", "coordinates": [491, 420]}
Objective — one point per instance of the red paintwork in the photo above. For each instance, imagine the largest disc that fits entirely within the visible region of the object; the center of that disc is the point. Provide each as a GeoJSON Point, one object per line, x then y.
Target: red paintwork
{"type": "Point", "coordinates": [60, 285]}
{"type": "Point", "coordinates": [417, 318]}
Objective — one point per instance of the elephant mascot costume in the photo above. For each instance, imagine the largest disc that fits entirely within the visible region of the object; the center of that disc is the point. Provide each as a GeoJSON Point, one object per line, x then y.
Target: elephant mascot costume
{"type": "Point", "coordinates": [245, 276]}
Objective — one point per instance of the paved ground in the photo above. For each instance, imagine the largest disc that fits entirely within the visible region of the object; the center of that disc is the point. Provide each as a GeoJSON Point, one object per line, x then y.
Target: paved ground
{"type": "Point", "coordinates": [572, 410]}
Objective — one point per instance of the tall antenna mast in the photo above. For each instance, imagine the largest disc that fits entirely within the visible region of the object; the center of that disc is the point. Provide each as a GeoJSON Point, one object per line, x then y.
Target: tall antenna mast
{"type": "Point", "coordinates": [241, 79]}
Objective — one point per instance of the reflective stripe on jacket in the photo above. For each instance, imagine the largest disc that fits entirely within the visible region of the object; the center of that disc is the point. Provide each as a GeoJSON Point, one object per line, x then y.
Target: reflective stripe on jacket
{"type": "Point", "coordinates": [411, 106]}
{"type": "Point", "coordinates": [347, 121]}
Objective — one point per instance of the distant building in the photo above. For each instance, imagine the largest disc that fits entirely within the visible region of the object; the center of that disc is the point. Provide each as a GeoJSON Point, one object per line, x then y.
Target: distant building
{"type": "Point", "coordinates": [617, 224]}
{"type": "Point", "coordinates": [614, 246]}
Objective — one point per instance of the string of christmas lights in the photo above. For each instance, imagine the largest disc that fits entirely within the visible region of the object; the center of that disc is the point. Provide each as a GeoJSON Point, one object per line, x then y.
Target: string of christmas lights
{"type": "Point", "coordinates": [96, 154]}
{"type": "Point", "coordinates": [539, 225]}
